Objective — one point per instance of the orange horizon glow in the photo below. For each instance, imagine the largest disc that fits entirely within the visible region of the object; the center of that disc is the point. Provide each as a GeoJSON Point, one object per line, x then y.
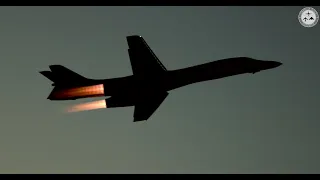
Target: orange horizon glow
{"type": "Point", "coordinates": [100, 104]}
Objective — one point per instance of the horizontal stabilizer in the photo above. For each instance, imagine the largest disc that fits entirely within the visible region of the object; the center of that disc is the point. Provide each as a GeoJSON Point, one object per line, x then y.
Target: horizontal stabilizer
{"type": "Point", "coordinates": [48, 74]}
{"type": "Point", "coordinates": [65, 73]}
{"type": "Point", "coordinates": [61, 75]}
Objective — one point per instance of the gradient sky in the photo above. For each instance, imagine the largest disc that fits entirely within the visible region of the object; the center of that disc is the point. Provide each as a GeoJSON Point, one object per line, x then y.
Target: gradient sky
{"type": "Point", "coordinates": [262, 123]}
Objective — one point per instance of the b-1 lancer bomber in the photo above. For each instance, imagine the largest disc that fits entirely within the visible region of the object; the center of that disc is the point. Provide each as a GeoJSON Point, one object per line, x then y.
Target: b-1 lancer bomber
{"type": "Point", "coordinates": [149, 84]}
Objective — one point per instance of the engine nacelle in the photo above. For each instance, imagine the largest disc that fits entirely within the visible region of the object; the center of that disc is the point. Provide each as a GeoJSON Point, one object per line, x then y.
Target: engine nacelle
{"type": "Point", "coordinates": [119, 101]}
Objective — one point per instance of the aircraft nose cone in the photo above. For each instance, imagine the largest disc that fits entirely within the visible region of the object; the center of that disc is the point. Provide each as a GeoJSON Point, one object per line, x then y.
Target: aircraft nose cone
{"type": "Point", "coordinates": [277, 64]}
{"type": "Point", "coordinates": [274, 64]}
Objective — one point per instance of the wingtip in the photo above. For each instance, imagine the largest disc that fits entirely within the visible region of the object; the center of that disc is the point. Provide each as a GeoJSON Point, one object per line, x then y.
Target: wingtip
{"type": "Point", "coordinates": [54, 65]}
{"type": "Point", "coordinates": [134, 36]}
{"type": "Point", "coordinates": [138, 120]}
{"type": "Point", "coordinates": [44, 72]}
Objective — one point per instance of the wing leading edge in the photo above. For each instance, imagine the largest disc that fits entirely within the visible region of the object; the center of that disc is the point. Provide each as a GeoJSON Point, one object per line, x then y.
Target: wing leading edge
{"type": "Point", "coordinates": [142, 58]}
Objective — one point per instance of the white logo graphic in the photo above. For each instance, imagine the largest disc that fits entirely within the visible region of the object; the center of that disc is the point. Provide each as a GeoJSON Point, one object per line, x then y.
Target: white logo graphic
{"type": "Point", "coordinates": [308, 17]}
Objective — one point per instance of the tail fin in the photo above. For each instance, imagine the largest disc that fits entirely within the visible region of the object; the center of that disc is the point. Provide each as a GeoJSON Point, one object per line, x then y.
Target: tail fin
{"type": "Point", "coordinates": [62, 75]}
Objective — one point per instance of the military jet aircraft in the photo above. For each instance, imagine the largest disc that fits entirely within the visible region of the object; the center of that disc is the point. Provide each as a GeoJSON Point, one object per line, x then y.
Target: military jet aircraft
{"type": "Point", "coordinates": [150, 82]}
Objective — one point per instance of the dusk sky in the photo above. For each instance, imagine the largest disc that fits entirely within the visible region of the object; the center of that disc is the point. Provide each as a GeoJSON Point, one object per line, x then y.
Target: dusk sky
{"type": "Point", "coordinates": [266, 122]}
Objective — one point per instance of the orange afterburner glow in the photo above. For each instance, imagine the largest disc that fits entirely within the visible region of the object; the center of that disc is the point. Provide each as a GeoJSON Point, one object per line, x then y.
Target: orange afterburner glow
{"type": "Point", "coordinates": [100, 104]}
{"type": "Point", "coordinates": [85, 91]}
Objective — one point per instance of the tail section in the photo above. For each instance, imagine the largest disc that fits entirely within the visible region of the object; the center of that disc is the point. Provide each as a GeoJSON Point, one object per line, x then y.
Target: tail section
{"type": "Point", "coordinates": [48, 74]}
{"type": "Point", "coordinates": [65, 74]}
{"type": "Point", "coordinates": [61, 75]}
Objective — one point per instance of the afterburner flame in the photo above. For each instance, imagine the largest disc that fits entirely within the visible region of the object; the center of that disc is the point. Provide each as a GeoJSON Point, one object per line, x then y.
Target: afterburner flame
{"type": "Point", "coordinates": [100, 104]}
{"type": "Point", "coordinates": [85, 91]}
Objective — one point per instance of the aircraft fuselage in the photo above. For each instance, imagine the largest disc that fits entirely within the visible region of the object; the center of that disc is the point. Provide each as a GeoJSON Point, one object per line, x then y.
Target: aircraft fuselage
{"type": "Point", "coordinates": [150, 83]}
{"type": "Point", "coordinates": [172, 79]}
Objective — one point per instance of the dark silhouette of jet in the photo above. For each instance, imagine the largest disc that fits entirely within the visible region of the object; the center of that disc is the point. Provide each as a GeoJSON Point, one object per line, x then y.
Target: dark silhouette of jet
{"type": "Point", "coordinates": [150, 83]}
{"type": "Point", "coordinates": [311, 18]}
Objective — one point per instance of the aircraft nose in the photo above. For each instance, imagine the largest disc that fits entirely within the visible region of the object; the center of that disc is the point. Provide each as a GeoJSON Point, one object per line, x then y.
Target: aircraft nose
{"type": "Point", "coordinates": [274, 64]}
{"type": "Point", "coordinates": [277, 64]}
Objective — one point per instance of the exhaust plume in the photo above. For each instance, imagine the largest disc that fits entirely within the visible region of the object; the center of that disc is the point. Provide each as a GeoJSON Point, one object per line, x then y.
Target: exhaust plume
{"type": "Point", "coordinates": [85, 91]}
{"type": "Point", "coordinates": [100, 104]}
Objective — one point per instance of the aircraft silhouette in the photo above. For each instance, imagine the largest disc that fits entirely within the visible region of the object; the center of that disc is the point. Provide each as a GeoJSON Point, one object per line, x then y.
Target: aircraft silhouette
{"type": "Point", "coordinates": [150, 82]}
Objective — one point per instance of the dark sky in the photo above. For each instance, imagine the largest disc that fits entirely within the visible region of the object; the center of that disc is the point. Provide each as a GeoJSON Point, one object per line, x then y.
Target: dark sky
{"type": "Point", "coordinates": [262, 123]}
